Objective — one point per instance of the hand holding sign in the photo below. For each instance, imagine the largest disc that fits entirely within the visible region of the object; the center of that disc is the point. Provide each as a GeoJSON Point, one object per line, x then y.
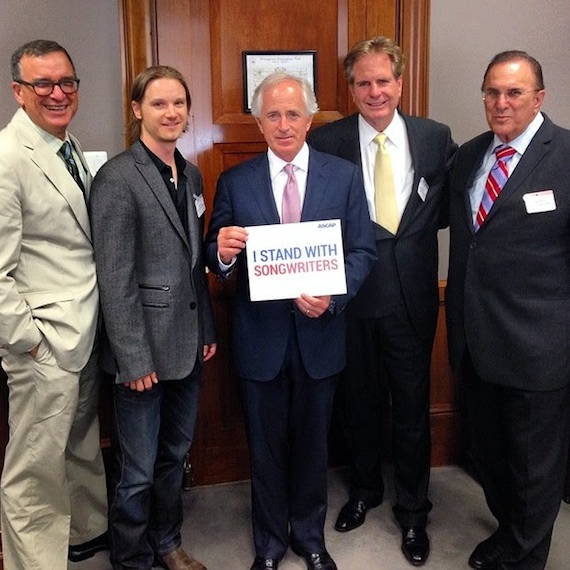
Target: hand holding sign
{"type": "Point", "coordinates": [231, 240]}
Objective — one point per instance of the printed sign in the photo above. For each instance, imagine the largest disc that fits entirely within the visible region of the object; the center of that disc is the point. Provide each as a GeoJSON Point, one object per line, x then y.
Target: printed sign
{"type": "Point", "coordinates": [285, 260]}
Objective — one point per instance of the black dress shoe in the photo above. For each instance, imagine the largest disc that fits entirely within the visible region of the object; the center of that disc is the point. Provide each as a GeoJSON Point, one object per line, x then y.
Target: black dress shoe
{"type": "Point", "coordinates": [80, 552]}
{"type": "Point", "coordinates": [487, 554]}
{"type": "Point", "coordinates": [264, 563]}
{"type": "Point", "coordinates": [352, 515]}
{"type": "Point", "coordinates": [315, 561]}
{"type": "Point", "coordinates": [415, 545]}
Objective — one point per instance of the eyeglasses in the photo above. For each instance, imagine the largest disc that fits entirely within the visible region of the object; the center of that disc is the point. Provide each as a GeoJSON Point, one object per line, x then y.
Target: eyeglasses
{"type": "Point", "coordinates": [491, 94]}
{"type": "Point", "coordinates": [45, 88]}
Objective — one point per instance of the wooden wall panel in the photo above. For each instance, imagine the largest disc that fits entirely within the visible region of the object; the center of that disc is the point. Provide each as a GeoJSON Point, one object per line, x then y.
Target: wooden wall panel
{"type": "Point", "coordinates": [272, 25]}
{"type": "Point", "coordinates": [137, 29]}
{"type": "Point", "coordinates": [413, 37]}
{"type": "Point", "coordinates": [444, 396]}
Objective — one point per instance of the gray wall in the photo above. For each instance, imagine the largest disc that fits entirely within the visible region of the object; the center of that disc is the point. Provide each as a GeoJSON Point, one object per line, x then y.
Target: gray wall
{"type": "Point", "coordinates": [89, 30]}
{"type": "Point", "coordinates": [466, 34]}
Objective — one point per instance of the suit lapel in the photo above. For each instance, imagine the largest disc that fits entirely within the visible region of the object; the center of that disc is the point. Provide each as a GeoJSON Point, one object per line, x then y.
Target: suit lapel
{"type": "Point", "coordinates": [54, 170]}
{"type": "Point", "coordinates": [469, 171]}
{"type": "Point", "coordinates": [418, 148]}
{"type": "Point", "coordinates": [194, 225]}
{"type": "Point", "coordinates": [88, 177]}
{"type": "Point", "coordinates": [317, 178]}
{"type": "Point", "coordinates": [534, 153]}
{"type": "Point", "coordinates": [156, 184]}
{"type": "Point", "coordinates": [260, 191]}
{"type": "Point", "coordinates": [349, 148]}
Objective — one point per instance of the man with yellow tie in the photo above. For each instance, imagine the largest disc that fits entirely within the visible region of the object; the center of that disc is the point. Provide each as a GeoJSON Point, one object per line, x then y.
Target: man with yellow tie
{"type": "Point", "coordinates": [391, 323]}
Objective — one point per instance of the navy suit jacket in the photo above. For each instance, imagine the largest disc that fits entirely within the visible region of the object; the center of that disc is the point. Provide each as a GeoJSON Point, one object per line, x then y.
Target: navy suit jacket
{"type": "Point", "coordinates": [414, 249]}
{"type": "Point", "coordinates": [508, 291]}
{"type": "Point", "coordinates": [261, 329]}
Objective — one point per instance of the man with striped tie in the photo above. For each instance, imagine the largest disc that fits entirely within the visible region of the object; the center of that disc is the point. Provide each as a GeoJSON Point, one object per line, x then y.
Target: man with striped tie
{"type": "Point", "coordinates": [508, 307]}
{"type": "Point", "coordinates": [53, 492]}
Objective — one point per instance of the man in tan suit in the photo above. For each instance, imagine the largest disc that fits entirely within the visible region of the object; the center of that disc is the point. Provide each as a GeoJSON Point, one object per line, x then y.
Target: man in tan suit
{"type": "Point", "coordinates": [53, 485]}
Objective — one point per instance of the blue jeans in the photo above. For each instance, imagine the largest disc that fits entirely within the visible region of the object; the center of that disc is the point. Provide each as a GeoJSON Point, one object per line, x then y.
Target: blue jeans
{"type": "Point", "coordinates": [153, 431]}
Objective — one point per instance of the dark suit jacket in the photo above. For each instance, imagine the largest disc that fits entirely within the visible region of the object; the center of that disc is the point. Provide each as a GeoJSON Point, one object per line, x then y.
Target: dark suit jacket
{"type": "Point", "coordinates": [508, 292]}
{"type": "Point", "coordinates": [244, 197]}
{"type": "Point", "coordinates": [413, 252]}
{"type": "Point", "coordinates": [154, 294]}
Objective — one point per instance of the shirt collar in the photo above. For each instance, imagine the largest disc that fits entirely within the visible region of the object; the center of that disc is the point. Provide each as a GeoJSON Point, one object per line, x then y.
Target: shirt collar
{"type": "Point", "coordinates": [161, 165]}
{"type": "Point", "coordinates": [521, 143]}
{"type": "Point", "coordinates": [53, 141]}
{"type": "Point", "coordinates": [276, 164]}
{"type": "Point", "coordinates": [395, 131]}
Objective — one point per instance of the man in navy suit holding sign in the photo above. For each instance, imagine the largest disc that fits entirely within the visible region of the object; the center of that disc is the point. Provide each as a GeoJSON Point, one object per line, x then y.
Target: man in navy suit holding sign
{"type": "Point", "coordinates": [288, 353]}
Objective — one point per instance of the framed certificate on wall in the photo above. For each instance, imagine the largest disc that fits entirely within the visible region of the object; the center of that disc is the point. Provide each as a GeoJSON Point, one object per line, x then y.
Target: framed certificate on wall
{"type": "Point", "coordinates": [259, 64]}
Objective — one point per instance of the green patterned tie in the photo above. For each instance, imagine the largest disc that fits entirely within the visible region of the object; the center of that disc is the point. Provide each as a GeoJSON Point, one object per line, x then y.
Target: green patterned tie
{"type": "Point", "coordinates": [67, 155]}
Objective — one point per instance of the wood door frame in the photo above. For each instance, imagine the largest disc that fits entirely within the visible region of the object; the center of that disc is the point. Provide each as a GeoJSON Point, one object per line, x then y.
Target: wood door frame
{"type": "Point", "coordinates": [411, 31]}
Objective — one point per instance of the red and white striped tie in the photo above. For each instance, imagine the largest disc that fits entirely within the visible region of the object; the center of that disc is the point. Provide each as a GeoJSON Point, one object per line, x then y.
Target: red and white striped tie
{"type": "Point", "coordinates": [495, 181]}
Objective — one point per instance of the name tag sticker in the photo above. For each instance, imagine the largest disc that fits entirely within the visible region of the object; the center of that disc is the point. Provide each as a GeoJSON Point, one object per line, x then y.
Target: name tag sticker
{"type": "Point", "coordinates": [200, 204]}
{"type": "Point", "coordinates": [536, 202]}
{"type": "Point", "coordinates": [423, 189]}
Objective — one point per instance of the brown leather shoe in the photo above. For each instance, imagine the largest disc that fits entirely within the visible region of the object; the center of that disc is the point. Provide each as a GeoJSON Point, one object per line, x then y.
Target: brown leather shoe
{"type": "Point", "coordinates": [179, 559]}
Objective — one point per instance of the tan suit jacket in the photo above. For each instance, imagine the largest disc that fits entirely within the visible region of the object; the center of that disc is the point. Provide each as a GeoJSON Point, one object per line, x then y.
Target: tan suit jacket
{"type": "Point", "coordinates": [48, 286]}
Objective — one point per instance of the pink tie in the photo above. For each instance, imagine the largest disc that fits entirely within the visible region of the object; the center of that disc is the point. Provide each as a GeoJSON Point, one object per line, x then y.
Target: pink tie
{"type": "Point", "coordinates": [497, 178]}
{"type": "Point", "coordinates": [291, 205]}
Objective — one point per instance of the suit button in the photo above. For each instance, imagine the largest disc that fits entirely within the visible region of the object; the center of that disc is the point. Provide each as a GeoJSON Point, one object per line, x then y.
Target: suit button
{"type": "Point", "coordinates": [473, 245]}
{"type": "Point", "coordinates": [192, 305]}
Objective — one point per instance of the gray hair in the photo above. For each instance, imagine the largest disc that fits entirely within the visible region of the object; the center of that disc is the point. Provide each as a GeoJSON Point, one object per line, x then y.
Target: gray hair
{"type": "Point", "coordinates": [273, 79]}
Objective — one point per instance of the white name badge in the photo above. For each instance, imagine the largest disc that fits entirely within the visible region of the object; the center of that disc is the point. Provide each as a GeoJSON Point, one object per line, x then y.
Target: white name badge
{"type": "Point", "coordinates": [199, 204]}
{"type": "Point", "coordinates": [423, 188]}
{"type": "Point", "coordinates": [536, 202]}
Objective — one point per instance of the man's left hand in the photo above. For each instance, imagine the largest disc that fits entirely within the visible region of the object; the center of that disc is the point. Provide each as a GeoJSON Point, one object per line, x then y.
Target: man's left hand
{"type": "Point", "coordinates": [312, 307]}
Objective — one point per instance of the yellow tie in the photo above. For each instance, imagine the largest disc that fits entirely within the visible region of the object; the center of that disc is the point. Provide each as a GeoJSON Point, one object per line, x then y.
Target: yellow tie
{"type": "Point", "coordinates": [384, 193]}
